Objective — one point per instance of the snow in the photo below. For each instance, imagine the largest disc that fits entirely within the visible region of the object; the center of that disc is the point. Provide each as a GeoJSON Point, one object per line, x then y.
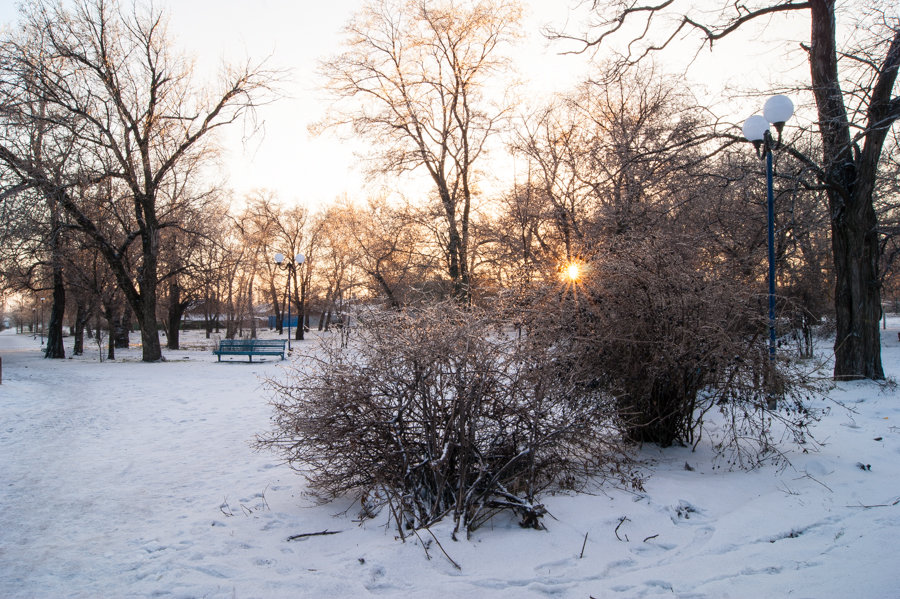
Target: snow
{"type": "Point", "coordinates": [125, 479]}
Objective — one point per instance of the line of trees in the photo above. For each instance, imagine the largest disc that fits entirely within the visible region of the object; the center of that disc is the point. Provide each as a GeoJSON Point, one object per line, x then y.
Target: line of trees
{"type": "Point", "coordinates": [104, 139]}
{"type": "Point", "coordinates": [103, 134]}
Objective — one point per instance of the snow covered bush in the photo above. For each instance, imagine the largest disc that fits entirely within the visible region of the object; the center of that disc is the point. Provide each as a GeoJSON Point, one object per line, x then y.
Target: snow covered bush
{"type": "Point", "coordinates": [439, 411]}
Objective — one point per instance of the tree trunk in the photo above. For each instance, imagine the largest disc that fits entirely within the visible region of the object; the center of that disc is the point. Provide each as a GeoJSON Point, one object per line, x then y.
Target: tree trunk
{"type": "Point", "coordinates": [326, 310]}
{"type": "Point", "coordinates": [109, 312]}
{"type": "Point", "coordinates": [302, 316]}
{"type": "Point", "coordinates": [55, 347]}
{"type": "Point", "coordinates": [174, 336]}
{"type": "Point", "coordinates": [857, 297]}
{"type": "Point", "coordinates": [97, 336]}
{"type": "Point", "coordinates": [111, 343]}
{"type": "Point", "coordinates": [230, 325]}
{"type": "Point", "coordinates": [251, 308]}
{"type": "Point", "coordinates": [276, 308]}
{"type": "Point", "coordinates": [177, 309]}
{"type": "Point", "coordinates": [854, 225]}
{"type": "Point", "coordinates": [146, 312]}
{"type": "Point", "coordinates": [151, 350]}
{"type": "Point", "coordinates": [81, 316]}
{"type": "Point", "coordinates": [454, 243]}
{"type": "Point", "coordinates": [119, 332]}
{"type": "Point", "coordinates": [388, 292]}
{"type": "Point", "coordinates": [207, 315]}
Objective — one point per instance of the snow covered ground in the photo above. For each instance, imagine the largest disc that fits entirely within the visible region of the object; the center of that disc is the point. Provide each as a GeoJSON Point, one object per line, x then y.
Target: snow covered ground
{"type": "Point", "coordinates": [124, 479]}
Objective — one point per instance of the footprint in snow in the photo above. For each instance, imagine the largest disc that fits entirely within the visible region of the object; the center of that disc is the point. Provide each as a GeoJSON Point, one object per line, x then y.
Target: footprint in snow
{"type": "Point", "coordinates": [650, 548]}
{"type": "Point", "coordinates": [684, 511]}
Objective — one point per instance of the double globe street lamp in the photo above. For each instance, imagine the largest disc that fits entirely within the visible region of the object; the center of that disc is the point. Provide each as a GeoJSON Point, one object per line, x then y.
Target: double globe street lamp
{"type": "Point", "coordinates": [291, 267]}
{"type": "Point", "coordinates": [776, 111]}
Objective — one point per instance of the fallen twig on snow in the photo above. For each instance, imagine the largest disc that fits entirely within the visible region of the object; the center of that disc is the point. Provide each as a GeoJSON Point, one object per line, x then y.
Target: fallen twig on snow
{"type": "Point", "coordinates": [313, 534]}
{"type": "Point", "coordinates": [895, 502]}
{"type": "Point", "coordinates": [812, 478]}
{"type": "Point", "coordinates": [622, 520]}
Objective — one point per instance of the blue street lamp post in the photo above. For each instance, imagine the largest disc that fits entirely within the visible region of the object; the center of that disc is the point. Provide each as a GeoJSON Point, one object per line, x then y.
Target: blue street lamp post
{"type": "Point", "coordinates": [42, 322]}
{"type": "Point", "coordinates": [776, 111]}
{"type": "Point", "coordinates": [291, 268]}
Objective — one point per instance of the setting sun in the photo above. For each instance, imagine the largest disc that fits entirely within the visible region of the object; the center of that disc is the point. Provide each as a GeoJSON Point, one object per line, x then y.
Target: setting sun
{"type": "Point", "coordinates": [573, 271]}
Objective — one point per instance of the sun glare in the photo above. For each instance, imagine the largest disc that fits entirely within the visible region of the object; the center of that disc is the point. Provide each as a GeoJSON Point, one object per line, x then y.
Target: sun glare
{"type": "Point", "coordinates": [573, 272]}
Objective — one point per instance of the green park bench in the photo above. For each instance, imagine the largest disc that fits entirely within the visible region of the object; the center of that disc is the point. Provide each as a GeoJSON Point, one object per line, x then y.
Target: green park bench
{"type": "Point", "coordinates": [250, 347]}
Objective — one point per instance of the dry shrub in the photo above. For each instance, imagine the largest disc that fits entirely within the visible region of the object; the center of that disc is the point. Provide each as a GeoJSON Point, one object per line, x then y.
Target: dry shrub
{"type": "Point", "coordinates": [667, 341]}
{"type": "Point", "coordinates": [440, 411]}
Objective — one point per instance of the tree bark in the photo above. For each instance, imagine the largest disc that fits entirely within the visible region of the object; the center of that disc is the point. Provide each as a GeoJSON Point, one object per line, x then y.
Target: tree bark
{"type": "Point", "coordinates": [251, 309]}
{"type": "Point", "coordinates": [81, 315]}
{"type": "Point", "coordinates": [854, 224]}
{"type": "Point", "coordinates": [55, 348]}
{"type": "Point", "coordinates": [388, 292]}
{"type": "Point", "coordinates": [109, 313]}
{"type": "Point", "coordinates": [146, 308]}
{"type": "Point", "coordinates": [176, 311]}
{"type": "Point", "coordinates": [857, 298]}
{"type": "Point", "coordinates": [111, 342]}
{"type": "Point", "coordinates": [276, 308]}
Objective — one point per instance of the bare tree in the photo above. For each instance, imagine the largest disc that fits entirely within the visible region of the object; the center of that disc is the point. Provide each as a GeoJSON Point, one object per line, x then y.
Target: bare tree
{"type": "Point", "coordinates": [110, 80]}
{"type": "Point", "coordinates": [96, 293]}
{"type": "Point", "coordinates": [336, 260]}
{"type": "Point", "coordinates": [211, 262]}
{"type": "Point", "coordinates": [856, 110]}
{"type": "Point", "coordinates": [888, 190]}
{"type": "Point", "coordinates": [257, 224]}
{"type": "Point", "coordinates": [201, 217]}
{"type": "Point", "coordinates": [390, 250]}
{"type": "Point", "coordinates": [517, 234]}
{"type": "Point", "coordinates": [608, 158]}
{"type": "Point", "coordinates": [35, 223]}
{"type": "Point", "coordinates": [31, 258]}
{"type": "Point", "coordinates": [269, 228]}
{"type": "Point", "coordinates": [411, 79]}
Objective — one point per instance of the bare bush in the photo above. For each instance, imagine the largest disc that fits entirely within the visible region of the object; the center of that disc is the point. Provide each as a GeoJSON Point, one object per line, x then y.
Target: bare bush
{"type": "Point", "coordinates": [666, 341]}
{"type": "Point", "coordinates": [440, 412]}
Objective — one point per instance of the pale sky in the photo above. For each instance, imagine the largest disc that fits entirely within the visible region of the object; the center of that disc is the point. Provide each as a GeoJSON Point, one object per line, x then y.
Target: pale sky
{"type": "Point", "coordinates": [296, 34]}
{"type": "Point", "coordinates": [288, 159]}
